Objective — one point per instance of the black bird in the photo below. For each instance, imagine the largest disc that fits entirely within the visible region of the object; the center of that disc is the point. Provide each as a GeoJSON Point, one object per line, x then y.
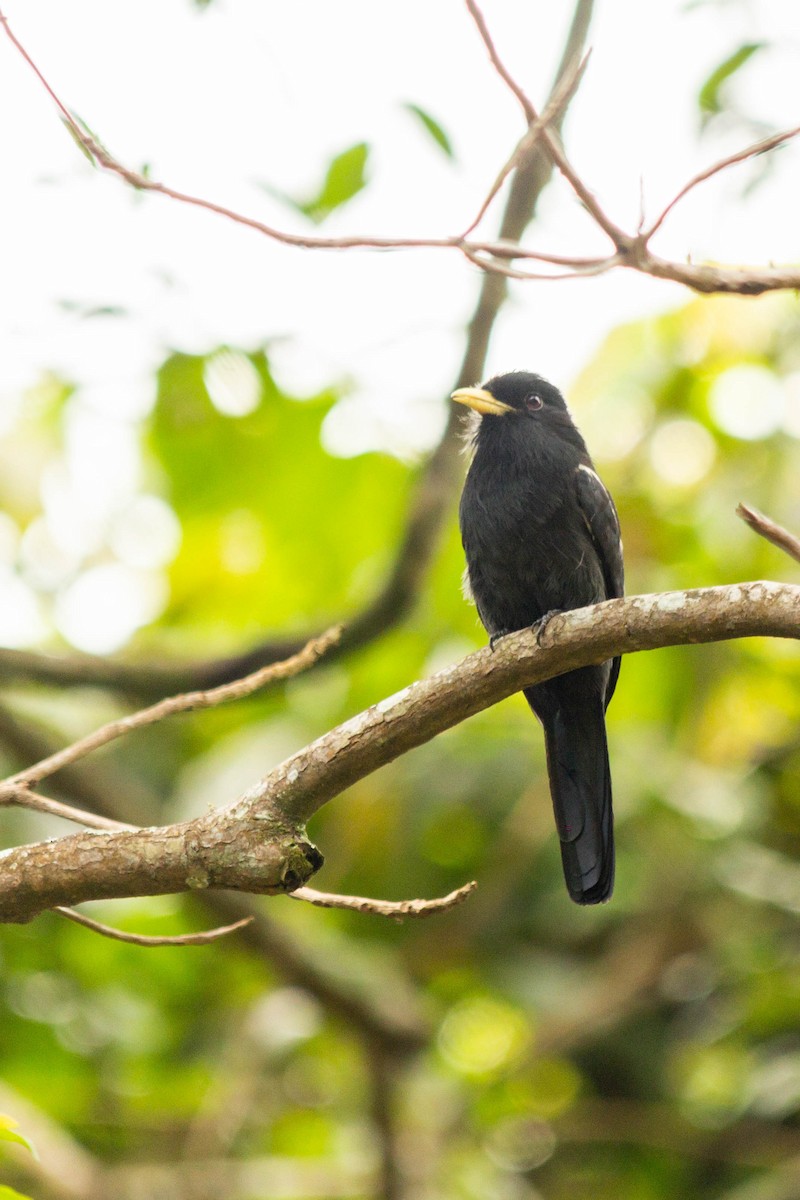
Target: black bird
{"type": "Point", "coordinates": [541, 534]}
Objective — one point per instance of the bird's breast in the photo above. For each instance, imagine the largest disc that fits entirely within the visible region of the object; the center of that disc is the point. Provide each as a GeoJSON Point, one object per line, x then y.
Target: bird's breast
{"type": "Point", "coordinates": [527, 545]}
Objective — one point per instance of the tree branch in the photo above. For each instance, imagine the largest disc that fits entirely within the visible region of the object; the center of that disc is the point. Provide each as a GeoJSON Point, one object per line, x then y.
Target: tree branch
{"type": "Point", "coordinates": [631, 250]}
{"type": "Point", "coordinates": [550, 139]}
{"type": "Point", "coordinates": [258, 843]}
{"type": "Point", "coordinates": [731, 160]}
{"type": "Point", "coordinates": [398, 910]}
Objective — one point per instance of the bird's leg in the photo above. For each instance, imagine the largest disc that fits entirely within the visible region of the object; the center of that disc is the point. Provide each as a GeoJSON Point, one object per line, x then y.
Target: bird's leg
{"type": "Point", "coordinates": [495, 637]}
{"type": "Point", "coordinates": [541, 625]}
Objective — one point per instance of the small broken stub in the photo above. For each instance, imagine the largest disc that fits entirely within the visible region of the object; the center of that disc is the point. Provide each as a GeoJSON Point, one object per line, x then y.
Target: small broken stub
{"type": "Point", "coordinates": [301, 861]}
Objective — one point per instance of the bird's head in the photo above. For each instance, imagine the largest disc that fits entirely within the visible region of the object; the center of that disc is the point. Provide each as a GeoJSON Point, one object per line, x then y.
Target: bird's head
{"type": "Point", "coordinates": [517, 394]}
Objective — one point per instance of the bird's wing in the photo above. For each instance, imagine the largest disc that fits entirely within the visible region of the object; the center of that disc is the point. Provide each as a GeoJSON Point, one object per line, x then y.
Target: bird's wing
{"type": "Point", "coordinates": [601, 518]}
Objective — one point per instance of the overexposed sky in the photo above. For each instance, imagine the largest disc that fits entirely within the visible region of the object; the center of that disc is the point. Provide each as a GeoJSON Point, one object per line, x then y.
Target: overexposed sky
{"type": "Point", "coordinates": [253, 92]}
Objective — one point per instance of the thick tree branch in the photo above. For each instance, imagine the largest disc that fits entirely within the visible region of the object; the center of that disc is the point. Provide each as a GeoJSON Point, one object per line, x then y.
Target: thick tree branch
{"type": "Point", "coordinates": [305, 782]}
{"type": "Point", "coordinates": [257, 844]}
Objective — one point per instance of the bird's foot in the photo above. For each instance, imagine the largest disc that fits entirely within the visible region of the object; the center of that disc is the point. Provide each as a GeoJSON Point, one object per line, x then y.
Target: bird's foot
{"type": "Point", "coordinates": [543, 622]}
{"type": "Point", "coordinates": [495, 638]}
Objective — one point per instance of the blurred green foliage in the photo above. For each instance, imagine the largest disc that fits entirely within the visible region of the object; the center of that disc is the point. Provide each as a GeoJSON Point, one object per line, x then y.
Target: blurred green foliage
{"type": "Point", "coordinates": [648, 1049]}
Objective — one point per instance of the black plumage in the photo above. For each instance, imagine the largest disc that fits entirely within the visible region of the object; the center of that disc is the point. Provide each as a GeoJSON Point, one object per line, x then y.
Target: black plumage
{"type": "Point", "coordinates": [540, 533]}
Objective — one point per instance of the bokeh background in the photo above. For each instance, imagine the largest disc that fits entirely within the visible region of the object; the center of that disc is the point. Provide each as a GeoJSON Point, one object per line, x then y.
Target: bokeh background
{"type": "Point", "coordinates": [207, 439]}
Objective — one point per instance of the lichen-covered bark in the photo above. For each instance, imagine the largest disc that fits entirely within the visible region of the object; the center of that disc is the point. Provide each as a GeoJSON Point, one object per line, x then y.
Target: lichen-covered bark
{"type": "Point", "coordinates": [213, 851]}
{"type": "Point", "coordinates": [257, 844]}
{"type": "Point", "coordinates": [315, 774]}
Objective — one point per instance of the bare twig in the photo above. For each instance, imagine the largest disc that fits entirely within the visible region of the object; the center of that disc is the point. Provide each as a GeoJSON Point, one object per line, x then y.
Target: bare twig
{"type": "Point", "coordinates": [632, 250]}
{"type": "Point", "coordinates": [189, 702]}
{"type": "Point", "coordinates": [498, 64]}
{"type": "Point", "coordinates": [555, 149]}
{"type": "Point", "coordinates": [596, 266]}
{"type": "Point", "coordinates": [258, 843]}
{"type": "Point", "coordinates": [95, 784]}
{"type": "Point", "coordinates": [142, 939]}
{"type": "Point", "coordinates": [766, 144]}
{"type": "Point", "coordinates": [102, 157]}
{"type": "Point", "coordinates": [398, 910]}
{"type": "Point", "coordinates": [768, 529]}
{"type": "Point", "coordinates": [556, 106]}
{"type": "Point", "coordinates": [23, 797]}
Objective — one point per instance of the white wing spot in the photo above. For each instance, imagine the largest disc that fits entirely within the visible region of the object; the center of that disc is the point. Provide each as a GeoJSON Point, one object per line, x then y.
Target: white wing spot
{"type": "Point", "coordinates": [589, 471]}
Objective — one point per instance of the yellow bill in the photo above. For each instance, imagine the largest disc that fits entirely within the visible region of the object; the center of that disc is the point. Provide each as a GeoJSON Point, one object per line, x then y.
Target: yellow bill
{"type": "Point", "coordinates": [480, 401]}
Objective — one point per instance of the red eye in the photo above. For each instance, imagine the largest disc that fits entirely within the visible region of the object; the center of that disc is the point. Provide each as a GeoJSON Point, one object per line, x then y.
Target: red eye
{"type": "Point", "coordinates": [533, 402]}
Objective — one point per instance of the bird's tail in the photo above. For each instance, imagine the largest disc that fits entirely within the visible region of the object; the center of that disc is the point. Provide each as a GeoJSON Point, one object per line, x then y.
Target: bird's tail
{"type": "Point", "coordinates": [580, 785]}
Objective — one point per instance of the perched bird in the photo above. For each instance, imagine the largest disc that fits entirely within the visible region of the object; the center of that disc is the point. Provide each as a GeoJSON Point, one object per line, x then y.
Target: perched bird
{"type": "Point", "coordinates": [541, 534]}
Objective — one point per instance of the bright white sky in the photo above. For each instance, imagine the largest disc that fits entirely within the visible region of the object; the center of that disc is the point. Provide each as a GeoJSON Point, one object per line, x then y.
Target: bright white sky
{"type": "Point", "coordinates": [251, 91]}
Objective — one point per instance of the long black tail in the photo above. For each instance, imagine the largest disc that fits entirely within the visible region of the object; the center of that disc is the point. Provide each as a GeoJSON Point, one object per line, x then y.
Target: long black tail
{"type": "Point", "coordinates": [580, 785]}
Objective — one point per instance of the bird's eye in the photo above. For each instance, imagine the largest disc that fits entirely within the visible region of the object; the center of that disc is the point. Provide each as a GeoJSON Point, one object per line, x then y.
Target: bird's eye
{"type": "Point", "coordinates": [533, 402]}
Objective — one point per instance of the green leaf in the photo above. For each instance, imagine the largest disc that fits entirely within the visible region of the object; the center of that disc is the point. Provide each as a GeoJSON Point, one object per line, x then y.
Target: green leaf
{"type": "Point", "coordinates": [433, 128]}
{"type": "Point", "coordinates": [9, 1193]}
{"type": "Point", "coordinates": [71, 131]}
{"type": "Point", "coordinates": [8, 1127]}
{"type": "Point", "coordinates": [345, 178]}
{"type": "Point", "coordinates": [710, 98]}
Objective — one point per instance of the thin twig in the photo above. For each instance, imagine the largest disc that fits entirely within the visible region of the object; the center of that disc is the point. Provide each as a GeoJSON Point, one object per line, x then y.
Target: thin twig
{"type": "Point", "coordinates": [103, 158]}
{"type": "Point", "coordinates": [768, 529]}
{"type": "Point", "coordinates": [23, 797]}
{"type": "Point", "coordinates": [142, 939]}
{"type": "Point", "coordinates": [632, 249]}
{"type": "Point", "coordinates": [554, 148]}
{"type": "Point", "coordinates": [565, 88]}
{"type": "Point", "coordinates": [499, 65]}
{"type": "Point", "coordinates": [595, 267]}
{"type": "Point", "coordinates": [562, 95]}
{"type": "Point", "coordinates": [766, 144]}
{"type": "Point", "coordinates": [187, 702]}
{"type": "Point", "coordinates": [65, 113]}
{"type": "Point", "coordinates": [398, 910]}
